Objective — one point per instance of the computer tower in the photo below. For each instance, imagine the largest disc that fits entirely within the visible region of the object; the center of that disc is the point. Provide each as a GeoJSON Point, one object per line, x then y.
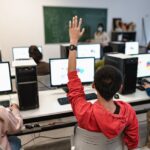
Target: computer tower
{"type": "Point", "coordinates": [64, 51]}
{"type": "Point", "coordinates": [128, 67]}
{"type": "Point", "coordinates": [118, 47]}
{"type": "Point", "coordinates": [27, 87]}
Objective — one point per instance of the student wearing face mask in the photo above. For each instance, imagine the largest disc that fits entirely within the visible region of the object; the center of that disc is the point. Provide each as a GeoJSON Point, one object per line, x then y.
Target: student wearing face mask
{"type": "Point", "coordinates": [101, 36]}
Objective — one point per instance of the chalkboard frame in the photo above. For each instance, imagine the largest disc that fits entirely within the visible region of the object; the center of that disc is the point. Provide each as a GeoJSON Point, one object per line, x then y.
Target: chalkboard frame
{"type": "Point", "coordinates": [52, 37]}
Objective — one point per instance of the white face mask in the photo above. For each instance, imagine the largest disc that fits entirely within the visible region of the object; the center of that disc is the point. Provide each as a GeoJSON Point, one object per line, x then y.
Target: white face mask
{"type": "Point", "coordinates": [100, 29]}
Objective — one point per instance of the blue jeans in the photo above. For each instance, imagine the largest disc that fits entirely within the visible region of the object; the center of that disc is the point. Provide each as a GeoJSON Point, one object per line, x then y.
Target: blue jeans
{"type": "Point", "coordinates": [15, 142]}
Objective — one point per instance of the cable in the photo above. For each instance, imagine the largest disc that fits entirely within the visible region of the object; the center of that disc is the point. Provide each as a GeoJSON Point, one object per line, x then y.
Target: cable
{"type": "Point", "coordinates": [41, 136]}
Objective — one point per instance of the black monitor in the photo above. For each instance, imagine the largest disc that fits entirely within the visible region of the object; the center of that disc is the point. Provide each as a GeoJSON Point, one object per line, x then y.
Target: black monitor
{"type": "Point", "coordinates": [143, 65]}
{"type": "Point", "coordinates": [5, 78]}
{"type": "Point", "coordinates": [21, 53]}
{"type": "Point", "coordinates": [59, 70]}
{"type": "Point", "coordinates": [123, 36]}
{"type": "Point", "coordinates": [89, 50]}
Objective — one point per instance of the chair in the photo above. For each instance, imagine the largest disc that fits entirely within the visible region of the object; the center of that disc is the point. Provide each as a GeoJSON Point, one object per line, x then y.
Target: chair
{"type": "Point", "coordinates": [87, 140]}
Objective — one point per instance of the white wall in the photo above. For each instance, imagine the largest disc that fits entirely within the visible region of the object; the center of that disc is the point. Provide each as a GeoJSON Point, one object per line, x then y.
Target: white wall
{"type": "Point", "coordinates": [21, 21]}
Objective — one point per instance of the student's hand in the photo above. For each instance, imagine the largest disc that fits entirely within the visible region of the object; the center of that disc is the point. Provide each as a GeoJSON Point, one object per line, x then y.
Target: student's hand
{"type": "Point", "coordinates": [75, 31]}
{"type": "Point", "coordinates": [146, 85]}
{"type": "Point", "coordinates": [14, 106]}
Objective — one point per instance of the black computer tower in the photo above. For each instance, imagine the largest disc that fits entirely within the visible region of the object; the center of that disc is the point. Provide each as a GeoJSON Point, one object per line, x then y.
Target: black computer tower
{"type": "Point", "coordinates": [128, 67]}
{"type": "Point", "coordinates": [27, 87]}
{"type": "Point", "coordinates": [118, 47]}
{"type": "Point", "coordinates": [64, 51]}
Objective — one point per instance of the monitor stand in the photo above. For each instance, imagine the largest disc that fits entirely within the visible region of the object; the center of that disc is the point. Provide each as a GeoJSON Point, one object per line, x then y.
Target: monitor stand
{"type": "Point", "coordinates": [65, 89]}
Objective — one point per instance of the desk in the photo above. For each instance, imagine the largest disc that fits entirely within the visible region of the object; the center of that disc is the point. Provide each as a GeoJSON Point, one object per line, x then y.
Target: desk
{"type": "Point", "coordinates": [51, 109]}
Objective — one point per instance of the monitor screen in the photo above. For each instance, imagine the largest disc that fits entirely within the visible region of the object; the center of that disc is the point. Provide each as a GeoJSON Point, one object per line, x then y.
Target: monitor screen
{"type": "Point", "coordinates": [5, 78]}
{"type": "Point", "coordinates": [143, 65]}
{"type": "Point", "coordinates": [89, 50]}
{"type": "Point", "coordinates": [131, 48]}
{"type": "Point", "coordinates": [59, 70]}
{"type": "Point", "coordinates": [20, 53]}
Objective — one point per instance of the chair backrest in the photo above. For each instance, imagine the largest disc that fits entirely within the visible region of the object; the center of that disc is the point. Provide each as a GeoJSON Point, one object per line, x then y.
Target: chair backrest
{"type": "Point", "coordinates": [87, 140]}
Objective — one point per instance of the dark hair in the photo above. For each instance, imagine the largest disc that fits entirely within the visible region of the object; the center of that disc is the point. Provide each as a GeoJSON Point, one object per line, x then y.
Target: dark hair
{"type": "Point", "coordinates": [35, 53]}
{"type": "Point", "coordinates": [107, 80]}
{"type": "Point", "coordinates": [100, 25]}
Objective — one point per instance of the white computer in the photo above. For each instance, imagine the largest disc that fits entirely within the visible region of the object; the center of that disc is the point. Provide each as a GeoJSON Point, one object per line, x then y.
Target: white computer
{"type": "Point", "coordinates": [22, 53]}
{"type": "Point", "coordinates": [89, 50]}
{"type": "Point", "coordinates": [59, 69]}
{"type": "Point", "coordinates": [5, 78]}
{"type": "Point", "coordinates": [131, 48]}
{"type": "Point", "coordinates": [143, 65]}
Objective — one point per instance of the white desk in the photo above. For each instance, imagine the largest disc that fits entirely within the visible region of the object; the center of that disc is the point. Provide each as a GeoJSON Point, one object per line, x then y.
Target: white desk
{"type": "Point", "coordinates": [49, 108]}
{"type": "Point", "coordinates": [48, 104]}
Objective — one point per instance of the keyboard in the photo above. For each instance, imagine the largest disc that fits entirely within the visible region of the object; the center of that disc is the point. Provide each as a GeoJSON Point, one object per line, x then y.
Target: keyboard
{"type": "Point", "coordinates": [89, 96]}
{"type": "Point", "coordinates": [5, 103]}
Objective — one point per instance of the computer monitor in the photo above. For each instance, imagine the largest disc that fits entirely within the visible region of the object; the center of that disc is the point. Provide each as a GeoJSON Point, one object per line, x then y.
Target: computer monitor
{"type": "Point", "coordinates": [5, 78]}
{"type": "Point", "coordinates": [20, 53]}
{"type": "Point", "coordinates": [89, 50]}
{"type": "Point", "coordinates": [59, 70]}
{"type": "Point", "coordinates": [131, 48]}
{"type": "Point", "coordinates": [143, 65]}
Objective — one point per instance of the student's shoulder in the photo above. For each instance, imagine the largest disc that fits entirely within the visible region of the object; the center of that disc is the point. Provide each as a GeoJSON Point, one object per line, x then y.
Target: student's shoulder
{"type": "Point", "coordinates": [125, 104]}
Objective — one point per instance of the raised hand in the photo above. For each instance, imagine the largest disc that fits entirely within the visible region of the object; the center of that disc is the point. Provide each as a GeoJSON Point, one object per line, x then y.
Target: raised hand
{"type": "Point", "coordinates": [75, 31]}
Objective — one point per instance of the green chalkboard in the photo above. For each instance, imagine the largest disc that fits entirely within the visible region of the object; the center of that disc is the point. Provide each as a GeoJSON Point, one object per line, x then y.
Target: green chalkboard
{"type": "Point", "coordinates": [56, 21]}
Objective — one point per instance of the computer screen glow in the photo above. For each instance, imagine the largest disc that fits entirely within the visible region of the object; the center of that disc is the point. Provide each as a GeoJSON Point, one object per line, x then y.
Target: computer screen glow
{"type": "Point", "coordinates": [89, 50]}
{"type": "Point", "coordinates": [59, 70]}
{"type": "Point", "coordinates": [5, 78]}
{"type": "Point", "coordinates": [22, 52]}
{"type": "Point", "coordinates": [131, 48]}
{"type": "Point", "coordinates": [143, 65]}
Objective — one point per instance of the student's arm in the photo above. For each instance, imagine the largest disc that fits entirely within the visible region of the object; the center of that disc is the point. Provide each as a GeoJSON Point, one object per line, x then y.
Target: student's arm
{"type": "Point", "coordinates": [11, 119]}
{"type": "Point", "coordinates": [147, 88]}
{"type": "Point", "coordinates": [76, 94]}
{"type": "Point", "coordinates": [74, 33]}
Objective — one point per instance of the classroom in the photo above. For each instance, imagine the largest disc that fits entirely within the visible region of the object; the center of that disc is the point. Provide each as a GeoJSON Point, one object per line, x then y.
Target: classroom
{"type": "Point", "coordinates": [49, 121]}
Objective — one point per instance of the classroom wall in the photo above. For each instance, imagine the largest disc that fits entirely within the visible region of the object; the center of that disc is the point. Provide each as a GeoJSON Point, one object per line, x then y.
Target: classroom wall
{"type": "Point", "coordinates": [21, 21]}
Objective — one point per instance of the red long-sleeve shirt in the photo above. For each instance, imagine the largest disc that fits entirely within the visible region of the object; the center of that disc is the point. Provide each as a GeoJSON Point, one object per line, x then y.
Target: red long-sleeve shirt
{"type": "Point", "coordinates": [95, 117]}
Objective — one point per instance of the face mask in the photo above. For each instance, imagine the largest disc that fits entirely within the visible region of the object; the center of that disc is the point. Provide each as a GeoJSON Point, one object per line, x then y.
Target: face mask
{"type": "Point", "coordinates": [100, 29]}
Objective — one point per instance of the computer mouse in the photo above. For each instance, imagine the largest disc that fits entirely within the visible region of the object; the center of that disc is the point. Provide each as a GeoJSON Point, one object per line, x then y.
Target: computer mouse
{"type": "Point", "coordinates": [116, 96]}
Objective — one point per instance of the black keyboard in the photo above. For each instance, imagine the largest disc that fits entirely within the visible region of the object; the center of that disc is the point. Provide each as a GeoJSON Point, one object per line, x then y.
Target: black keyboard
{"type": "Point", "coordinates": [140, 87]}
{"type": "Point", "coordinates": [64, 100]}
{"type": "Point", "coordinates": [5, 103]}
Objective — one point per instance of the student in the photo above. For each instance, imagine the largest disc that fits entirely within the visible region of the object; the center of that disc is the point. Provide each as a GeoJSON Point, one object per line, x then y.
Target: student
{"type": "Point", "coordinates": [101, 36]}
{"type": "Point", "coordinates": [42, 67]}
{"type": "Point", "coordinates": [10, 123]}
{"type": "Point", "coordinates": [105, 115]}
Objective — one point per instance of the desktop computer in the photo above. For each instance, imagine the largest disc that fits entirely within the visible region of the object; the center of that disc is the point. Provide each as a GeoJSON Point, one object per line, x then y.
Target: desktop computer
{"type": "Point", "coordinates": [22, 53]}
{"type": "Point", "coordinates": [64, 51]}
{"type": "Point", "coordinates": [118, 47]}
{"type": "Point", "coordinates": [27, 87]}
{"type": "Point", "coordinates": [128, 67]}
